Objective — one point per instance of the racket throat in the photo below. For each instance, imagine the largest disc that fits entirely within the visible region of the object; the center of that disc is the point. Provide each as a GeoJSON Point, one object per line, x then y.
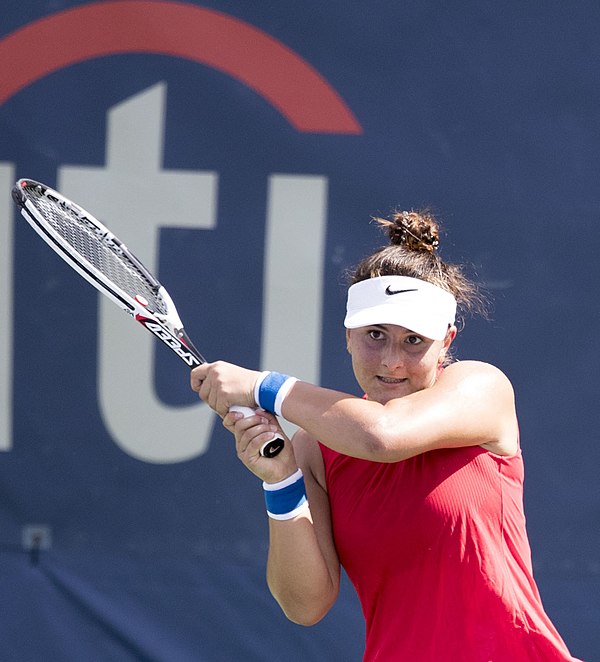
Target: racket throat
{"type": "Point", "coordinates": [175, 339]}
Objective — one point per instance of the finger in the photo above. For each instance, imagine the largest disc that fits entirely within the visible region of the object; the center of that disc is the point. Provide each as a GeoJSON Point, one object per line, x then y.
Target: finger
{"type": "Point", "coordinates": [250, 452]}
{"type": "Point", "coordinates": [243, 424]}
{"type": "Point", "coordinates": [197, 377]}
{"type": "Point", "coordinates": [251, 439]}
{"type": "Point", "coordinates": [230, 419]}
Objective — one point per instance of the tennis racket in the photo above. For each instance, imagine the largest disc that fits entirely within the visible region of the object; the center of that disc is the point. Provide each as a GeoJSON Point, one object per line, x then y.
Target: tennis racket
{"type": "Point", "coordinates": [105, 262]}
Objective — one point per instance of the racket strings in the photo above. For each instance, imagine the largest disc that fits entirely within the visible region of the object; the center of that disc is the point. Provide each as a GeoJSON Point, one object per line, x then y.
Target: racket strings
{"type": "Point", "coordinates": [98, 249]}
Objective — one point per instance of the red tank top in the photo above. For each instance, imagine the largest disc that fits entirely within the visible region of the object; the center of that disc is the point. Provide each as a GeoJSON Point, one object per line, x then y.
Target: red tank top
{"type": "Point", "coordinates": [437, 550]}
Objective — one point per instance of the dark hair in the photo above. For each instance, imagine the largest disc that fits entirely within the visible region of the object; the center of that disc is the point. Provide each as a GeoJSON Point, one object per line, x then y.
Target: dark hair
{"type": "Point", "coordinates": [415, 237]}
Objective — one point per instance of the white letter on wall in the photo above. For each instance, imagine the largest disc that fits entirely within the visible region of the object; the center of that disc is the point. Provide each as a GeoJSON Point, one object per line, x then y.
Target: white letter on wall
{"type": "Point", "coordinates": [135, 197]}
{"type": "Point", "coordinates": [294, 256]}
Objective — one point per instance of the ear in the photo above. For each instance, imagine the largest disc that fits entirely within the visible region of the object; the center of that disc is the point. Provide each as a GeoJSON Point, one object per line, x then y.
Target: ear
{"type": "Point", "coordinates": [450, 335]}
{"type": "Point", "coordinates": [348, 349]}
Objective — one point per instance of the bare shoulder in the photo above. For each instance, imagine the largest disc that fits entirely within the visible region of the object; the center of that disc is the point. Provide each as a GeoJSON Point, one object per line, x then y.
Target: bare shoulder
{"type": "Point", "coordinates": [485, 388]}
{"type": "Point", "coordinates": [476, 374]}
{"type": "Point", "coordinates": [309, 458]}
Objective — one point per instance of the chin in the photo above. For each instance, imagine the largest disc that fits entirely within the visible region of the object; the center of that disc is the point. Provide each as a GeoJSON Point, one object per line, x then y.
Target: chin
{"type": "Point", "coordinates": [384, 395]}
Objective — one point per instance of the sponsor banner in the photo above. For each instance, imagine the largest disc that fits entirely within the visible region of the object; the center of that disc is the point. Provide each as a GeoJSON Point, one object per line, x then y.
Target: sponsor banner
{"type": "Point", "coordinates": [240, 149]}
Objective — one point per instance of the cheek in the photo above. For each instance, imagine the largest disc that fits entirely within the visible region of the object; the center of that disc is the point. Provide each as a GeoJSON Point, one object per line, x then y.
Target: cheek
{"type": "Point", "coordinates": [424, 368]}
{"type": "Point", "coordinates": [364, 360]}
{"type": "Point", "coordinates": [366, 355]}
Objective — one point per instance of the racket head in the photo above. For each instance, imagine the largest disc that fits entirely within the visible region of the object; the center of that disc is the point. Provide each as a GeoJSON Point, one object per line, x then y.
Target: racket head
{"type": "Point", "coordinates": [103, 260]}
{"type": "Point", "coordinates": [88, 246]}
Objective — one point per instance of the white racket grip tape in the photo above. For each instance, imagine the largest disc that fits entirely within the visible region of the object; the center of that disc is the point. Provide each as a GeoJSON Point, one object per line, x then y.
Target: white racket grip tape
{"type": "Point", "coordinates": [270, 448]}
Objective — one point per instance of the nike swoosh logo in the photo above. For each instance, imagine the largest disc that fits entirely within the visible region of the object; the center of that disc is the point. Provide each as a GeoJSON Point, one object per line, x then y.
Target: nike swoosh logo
{"type": "Point", "coordinates": [389, 291]}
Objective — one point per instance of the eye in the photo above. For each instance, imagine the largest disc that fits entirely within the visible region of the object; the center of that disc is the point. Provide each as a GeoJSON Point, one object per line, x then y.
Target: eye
{"type": "Point", "coordinates": [376, 334]}
{"type": "Point", "coordinates": [414, 340]}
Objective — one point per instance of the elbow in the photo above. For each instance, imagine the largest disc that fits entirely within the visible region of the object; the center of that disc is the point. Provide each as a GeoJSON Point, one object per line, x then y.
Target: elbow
{"type": "Point", "coordinates": [305, 608]}
{"type": "Point", "coordinates": [306, 615]}
{"type": "Point", "coordinates": [377, 450]}
{"type": "Point", "coordinates": [382, 444]}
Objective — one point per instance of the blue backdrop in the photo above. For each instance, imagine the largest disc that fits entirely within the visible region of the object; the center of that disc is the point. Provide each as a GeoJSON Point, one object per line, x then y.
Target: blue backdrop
{"type": "Point", "coordinates": [256, 140]}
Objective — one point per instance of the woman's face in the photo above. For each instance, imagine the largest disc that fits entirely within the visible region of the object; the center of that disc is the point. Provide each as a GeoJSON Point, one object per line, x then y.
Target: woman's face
{"type": "Point", "coordinates": [390, 361]}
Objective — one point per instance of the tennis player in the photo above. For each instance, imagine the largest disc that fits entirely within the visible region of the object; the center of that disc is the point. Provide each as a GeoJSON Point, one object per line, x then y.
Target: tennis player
{"type": "Point", "coordinates": [416, 488]}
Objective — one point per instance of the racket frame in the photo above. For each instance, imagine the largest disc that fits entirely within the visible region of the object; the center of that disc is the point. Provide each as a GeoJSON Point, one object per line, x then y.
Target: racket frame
{"type": "Point", "coordinates": [167, 327]}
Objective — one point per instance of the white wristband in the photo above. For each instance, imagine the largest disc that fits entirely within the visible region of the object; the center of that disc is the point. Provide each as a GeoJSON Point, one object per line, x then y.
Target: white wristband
{"type": "Point", "coordinates": [290, 480]}
{"type": "Point", "coordinates": [282, 394]}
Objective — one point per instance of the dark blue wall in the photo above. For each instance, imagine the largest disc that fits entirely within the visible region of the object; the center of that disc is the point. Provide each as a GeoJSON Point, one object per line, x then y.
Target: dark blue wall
{"type": "Point", "coordinates": [486, 112]}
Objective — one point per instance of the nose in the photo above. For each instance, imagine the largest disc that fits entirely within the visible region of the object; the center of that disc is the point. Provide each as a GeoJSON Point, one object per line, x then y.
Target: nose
{"type": "Point", "coordinates": [392, 357]}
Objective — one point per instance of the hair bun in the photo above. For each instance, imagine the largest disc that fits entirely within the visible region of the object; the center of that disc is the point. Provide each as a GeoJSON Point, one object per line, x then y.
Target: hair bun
{"type": "Point", "coordinates": [415, 230]}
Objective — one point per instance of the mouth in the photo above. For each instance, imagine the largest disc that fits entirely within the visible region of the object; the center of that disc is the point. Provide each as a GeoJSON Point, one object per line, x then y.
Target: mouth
{"type": "Point", "coordinates": [392, 381]}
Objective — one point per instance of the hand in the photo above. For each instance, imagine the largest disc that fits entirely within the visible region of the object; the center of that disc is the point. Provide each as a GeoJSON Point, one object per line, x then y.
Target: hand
{"type": "Point", "coordinates": [222, 385]}
{"type": "Point", "coordinates": [251, 433]}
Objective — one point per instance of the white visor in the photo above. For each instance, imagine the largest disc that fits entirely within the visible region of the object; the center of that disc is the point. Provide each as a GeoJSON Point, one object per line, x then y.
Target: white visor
{"type": "Point", "coordinates": [426, 309]}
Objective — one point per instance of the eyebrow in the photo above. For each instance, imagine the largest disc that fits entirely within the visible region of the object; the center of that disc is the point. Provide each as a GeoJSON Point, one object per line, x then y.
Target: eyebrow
{"type": "Point", "coordinates": [385, 326]}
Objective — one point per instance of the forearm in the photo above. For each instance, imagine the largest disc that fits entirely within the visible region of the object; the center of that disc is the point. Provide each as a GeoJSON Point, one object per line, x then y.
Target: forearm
{"type": "Point", "coordinates": [347, 424]}
{"type": "Point", "coordinates": [298, 573]}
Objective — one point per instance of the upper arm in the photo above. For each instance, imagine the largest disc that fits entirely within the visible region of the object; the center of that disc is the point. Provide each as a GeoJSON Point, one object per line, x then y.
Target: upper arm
{"type": "Point", "coordinates": [472, 403]}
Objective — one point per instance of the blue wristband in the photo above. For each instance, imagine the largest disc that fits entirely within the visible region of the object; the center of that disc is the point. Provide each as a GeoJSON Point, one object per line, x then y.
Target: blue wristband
{"type": "Point", "coordinates": [286, 499]}
{"type": "Point", "coordinates": [268, 389]}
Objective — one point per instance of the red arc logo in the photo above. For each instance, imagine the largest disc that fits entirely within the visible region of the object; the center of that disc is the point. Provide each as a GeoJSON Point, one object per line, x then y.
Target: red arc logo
{"type": "Point", "coordinates": [176, 29]}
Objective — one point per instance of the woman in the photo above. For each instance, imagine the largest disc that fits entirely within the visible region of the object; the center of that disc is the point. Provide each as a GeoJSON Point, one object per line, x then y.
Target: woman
{"type": "Point", "coordinates": [416, 488]}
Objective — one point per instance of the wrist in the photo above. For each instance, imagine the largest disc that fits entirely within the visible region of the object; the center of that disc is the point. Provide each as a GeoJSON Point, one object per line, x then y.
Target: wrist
{"type": "Point", "coordinates": [271, 389]}
{"type": "Point", "coordinates": [286, 499]}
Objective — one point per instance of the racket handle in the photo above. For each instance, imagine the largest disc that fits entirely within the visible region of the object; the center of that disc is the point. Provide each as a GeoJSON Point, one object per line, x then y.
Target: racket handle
{"type": "Point", "coordinates": [270, 448]}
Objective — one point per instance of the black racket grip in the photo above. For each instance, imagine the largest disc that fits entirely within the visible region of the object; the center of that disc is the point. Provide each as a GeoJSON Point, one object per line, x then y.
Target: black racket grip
{"type": "Point", "coordinates": [270, 448]}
